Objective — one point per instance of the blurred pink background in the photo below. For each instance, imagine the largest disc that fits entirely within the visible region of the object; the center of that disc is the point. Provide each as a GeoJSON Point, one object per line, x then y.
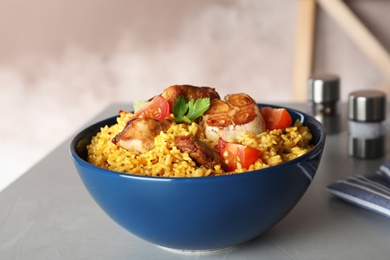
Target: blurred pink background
{"type": "Point", "coordinates": [62, 62]}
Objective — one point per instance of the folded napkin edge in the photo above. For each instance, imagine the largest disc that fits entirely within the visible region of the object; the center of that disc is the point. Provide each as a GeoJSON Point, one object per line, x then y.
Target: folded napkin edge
{"type": "Point", "coordinates": [360, 202]}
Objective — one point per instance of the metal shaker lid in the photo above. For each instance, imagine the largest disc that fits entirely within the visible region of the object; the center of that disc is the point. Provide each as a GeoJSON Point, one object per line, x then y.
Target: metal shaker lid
{"type": "Point", "coordinates": [324, 88]}
{"type": "Point", "coordinates": [367, 105]}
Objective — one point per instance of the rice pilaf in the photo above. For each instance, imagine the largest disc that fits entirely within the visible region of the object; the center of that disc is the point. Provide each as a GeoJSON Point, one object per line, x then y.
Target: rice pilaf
{"type": "Point", "coordinates": [165, 160]}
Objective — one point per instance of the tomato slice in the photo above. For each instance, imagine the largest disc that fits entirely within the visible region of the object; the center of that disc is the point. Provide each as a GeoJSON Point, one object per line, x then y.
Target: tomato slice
{"type": "Point", "coordinates": [233, 153]}
{"type": "Point", "coordinates": [158, 109]}
{"type": "Point", "coordinates": [276, 118]}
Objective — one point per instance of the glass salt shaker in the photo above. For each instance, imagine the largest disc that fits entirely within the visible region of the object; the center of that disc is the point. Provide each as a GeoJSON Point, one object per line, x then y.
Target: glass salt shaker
{"type": "Point", "coordinates": [324, 95]}
{"type": "Point", "coordinates": [366, 114]}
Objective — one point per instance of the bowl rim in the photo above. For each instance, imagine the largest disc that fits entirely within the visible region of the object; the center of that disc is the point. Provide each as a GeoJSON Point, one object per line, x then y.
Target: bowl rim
{"type": "Point", "coordinates": [302, 115]}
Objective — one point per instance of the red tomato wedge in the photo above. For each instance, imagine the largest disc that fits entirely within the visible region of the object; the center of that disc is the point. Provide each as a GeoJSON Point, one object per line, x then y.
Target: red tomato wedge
{"type": "Point", "coordinates": [276, 118]}
{"type": "Point", "coordinates": [232, 153]}
{"type": "Point", "coordinates": [158, 109]}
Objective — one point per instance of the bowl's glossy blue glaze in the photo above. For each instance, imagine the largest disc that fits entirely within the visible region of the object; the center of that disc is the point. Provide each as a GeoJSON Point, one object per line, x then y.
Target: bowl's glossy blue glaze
{"type": "Point", "coordinates": [205, 213]}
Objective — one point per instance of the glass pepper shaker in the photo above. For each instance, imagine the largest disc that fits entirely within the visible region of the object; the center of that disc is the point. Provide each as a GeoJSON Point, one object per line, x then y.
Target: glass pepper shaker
{"type": "Point", "coordinates": [324, 95]}
{"type": "Point", "coordinates": [366, 114]}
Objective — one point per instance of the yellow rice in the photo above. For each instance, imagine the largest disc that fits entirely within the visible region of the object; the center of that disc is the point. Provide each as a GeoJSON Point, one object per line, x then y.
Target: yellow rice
{"type": "Point", "coordinates": [276, 146]}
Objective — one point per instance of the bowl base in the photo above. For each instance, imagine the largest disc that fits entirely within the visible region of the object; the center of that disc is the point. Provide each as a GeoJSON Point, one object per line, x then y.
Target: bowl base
{"type": "Point", "coordinates": [199, 252]}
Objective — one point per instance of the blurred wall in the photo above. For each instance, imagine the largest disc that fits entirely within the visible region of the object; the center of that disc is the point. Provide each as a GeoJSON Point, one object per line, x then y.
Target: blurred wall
{"type": "Point", "coordinates": [61, 62]}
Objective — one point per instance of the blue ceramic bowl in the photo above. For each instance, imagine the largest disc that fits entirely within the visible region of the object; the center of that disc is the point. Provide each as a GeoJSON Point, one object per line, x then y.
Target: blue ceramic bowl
{"type": "Point", "coordinates": [204, 213]}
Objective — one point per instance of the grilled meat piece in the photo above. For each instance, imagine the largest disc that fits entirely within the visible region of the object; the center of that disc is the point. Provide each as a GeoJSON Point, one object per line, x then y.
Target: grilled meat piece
{"type": "Point", "coordinates": [236, 115]}
{"type": "Point", "coordinates": [139, 133]}
{"type": "Point", "coordinates": [200, 152]}
{"type": "Point", "coordinates": [189, 92]}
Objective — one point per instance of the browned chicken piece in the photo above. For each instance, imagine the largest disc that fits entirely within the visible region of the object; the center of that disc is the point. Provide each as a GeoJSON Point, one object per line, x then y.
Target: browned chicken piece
{"type": "Point", "coordinates": [138, 134]}
{"type": "Point", "coordinates": [200, 152]}
{"type": "Point", "coordinates": [238, 114]}
{"type": "Point", "coordinates": [189, 92]}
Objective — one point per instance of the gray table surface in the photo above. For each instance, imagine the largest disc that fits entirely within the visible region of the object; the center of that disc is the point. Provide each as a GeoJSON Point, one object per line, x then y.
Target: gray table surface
{"type": "Point", "coordinates": [48, 214]}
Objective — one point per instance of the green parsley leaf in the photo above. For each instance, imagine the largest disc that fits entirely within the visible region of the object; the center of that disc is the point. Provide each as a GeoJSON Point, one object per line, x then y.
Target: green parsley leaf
{"type": "Point", "coordinates": [197, 108]}
{"type": "Point", "coordinates": [189, 111]}
{"type": "Point", "coordinates": [180, 107]}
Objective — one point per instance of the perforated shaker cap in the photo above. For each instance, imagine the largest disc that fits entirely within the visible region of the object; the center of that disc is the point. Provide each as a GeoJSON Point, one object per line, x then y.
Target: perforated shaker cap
{"type": "Point", "coordinates": [324, 88]}
{"type": "Point", "coordinates": [367, 105]}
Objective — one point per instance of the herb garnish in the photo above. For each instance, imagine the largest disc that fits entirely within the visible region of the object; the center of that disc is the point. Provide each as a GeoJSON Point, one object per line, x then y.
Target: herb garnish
{"type": "Point", "coordinates": [189, 111]}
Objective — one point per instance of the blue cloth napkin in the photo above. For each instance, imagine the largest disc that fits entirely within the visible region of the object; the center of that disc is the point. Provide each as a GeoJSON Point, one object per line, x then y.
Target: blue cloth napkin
{"type": "Point", "coordinates": [370, 191]}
